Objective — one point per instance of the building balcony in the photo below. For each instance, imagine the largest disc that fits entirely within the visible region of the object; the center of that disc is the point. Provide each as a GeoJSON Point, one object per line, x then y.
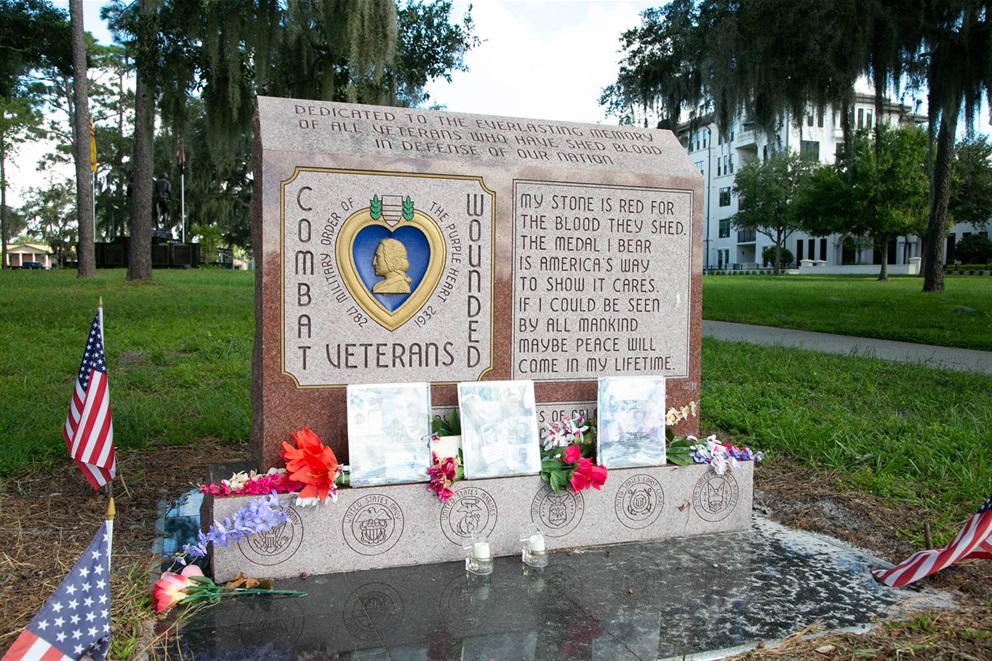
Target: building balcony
{"type": "Point", "coordinates": [746, 236]}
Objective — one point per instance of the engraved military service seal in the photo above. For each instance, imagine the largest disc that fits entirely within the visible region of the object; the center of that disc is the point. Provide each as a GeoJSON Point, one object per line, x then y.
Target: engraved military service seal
{"type": "Point", "coordinates": [470, 511]}
{"type": "Point", "coordinates": [639, 501]}
{"type": "Point", "coordinates": [373, 524]}
{"type": "Point", "coordinates": [557, 514]}
{"type": "Point", "coordinates": [373, 610]}
{"type": "Point", "coordinates": [715, 496]}
{"type": "Point", "coordinates": [275, 546]}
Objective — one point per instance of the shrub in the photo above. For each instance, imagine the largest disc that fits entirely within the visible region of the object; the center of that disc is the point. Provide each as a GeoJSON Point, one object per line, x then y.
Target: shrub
{"type": "Point", "coordinates": [768, 255]}
{"type": "Point", "coordinates": [974, 249]}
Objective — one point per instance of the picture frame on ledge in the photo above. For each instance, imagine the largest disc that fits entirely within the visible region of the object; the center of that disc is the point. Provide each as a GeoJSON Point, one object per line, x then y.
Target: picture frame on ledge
{"type": "Point", "coordinates": [630, 421]}
{"type": "Point", "coordinates": [389, 426]}
{"type": "Point", "coordinates": [499, 429]}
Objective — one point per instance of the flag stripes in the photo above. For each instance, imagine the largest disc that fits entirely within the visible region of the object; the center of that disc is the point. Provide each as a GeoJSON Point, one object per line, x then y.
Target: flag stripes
{"type": "Point", "coordinates": [89, 427]}
{"type": "Point", "coordinates": [973, 542]}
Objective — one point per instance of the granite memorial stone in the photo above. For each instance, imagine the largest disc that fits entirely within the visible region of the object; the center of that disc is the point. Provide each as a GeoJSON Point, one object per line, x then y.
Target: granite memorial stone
{"type": "Point", "coordinates": [398, 245]}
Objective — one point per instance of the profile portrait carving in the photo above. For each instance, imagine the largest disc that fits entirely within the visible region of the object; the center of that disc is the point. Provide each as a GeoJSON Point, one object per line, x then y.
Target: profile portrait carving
{"type": "Point", "coordinates": [390, 262]}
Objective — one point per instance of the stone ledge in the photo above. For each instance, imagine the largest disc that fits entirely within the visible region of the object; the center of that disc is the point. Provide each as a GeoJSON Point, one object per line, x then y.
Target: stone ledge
{"type": "Point", "coordinates": [405, 525]}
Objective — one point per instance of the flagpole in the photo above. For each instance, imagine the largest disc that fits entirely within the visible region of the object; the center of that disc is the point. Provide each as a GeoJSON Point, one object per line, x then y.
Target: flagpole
{"type": "Point", "coordinates": [111, 513]}
{"type": "Point", "coordinates": [182, 199]}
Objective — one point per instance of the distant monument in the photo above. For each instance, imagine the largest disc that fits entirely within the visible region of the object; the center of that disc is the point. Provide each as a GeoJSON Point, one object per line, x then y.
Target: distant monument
{"type": "Point", "coordinates": [162, 196]}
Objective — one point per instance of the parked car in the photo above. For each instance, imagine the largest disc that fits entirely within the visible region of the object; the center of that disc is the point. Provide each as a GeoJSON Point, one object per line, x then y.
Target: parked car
{"type": "Point", "coordinates": [32, 265]}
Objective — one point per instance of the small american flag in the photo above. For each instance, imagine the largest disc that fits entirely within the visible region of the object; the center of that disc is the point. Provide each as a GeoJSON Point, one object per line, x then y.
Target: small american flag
{"type": "Point", "coordinates": [973, 542]}
{"type": "Point", "coordinates": [89, 429]}
{"type": "Point", "coordinates": [76, 618]}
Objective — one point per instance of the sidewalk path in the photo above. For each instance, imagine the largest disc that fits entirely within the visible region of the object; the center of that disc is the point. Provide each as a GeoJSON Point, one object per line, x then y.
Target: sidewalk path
{"type": "Point", "coordinates": [963, 360]}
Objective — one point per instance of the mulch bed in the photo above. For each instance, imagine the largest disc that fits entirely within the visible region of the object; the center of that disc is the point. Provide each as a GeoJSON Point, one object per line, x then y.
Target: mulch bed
{"type": "Point", "coordinates": [48, 519]}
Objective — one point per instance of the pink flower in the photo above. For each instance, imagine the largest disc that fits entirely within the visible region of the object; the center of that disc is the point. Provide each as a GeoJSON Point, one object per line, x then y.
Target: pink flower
{"type": "Point", "coordinates": [172, 588]}
{"type": "Point", "coordinates": [578, 481]}
{"type": "Point", "coordinates": [572, 454]}
{"type": "Point", "coordinates": [598, 476]}
{"type": "Point", "coordinates": [586, 475]}
{"type": "Point", "coordinates": [443, 473]}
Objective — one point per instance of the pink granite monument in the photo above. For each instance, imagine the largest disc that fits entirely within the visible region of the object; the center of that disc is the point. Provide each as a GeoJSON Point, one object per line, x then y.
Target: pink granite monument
{"type": "Point", "coordinates": [398, 245]}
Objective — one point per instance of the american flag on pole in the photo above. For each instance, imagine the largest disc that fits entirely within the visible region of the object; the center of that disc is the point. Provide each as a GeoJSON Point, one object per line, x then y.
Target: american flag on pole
{"type": "Point", "coordinates": [76, 618]}
{"type": "Point", "coordinates": [973, 542]}
{"type": "Point", "coordinates": [89, 429]}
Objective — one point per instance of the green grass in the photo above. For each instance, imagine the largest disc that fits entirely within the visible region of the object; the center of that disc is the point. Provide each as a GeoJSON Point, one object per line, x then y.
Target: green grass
{"type": "Point", "coordinates": [858, 305]}
{"type": "Point", "coordinates": [178, 353]}
{"type": "Point", "coordinates": [903, 432]}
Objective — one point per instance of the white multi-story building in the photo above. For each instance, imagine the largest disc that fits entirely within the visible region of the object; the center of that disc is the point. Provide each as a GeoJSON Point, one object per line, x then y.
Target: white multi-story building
{"type": "Point", "coordinates": [817, 138]}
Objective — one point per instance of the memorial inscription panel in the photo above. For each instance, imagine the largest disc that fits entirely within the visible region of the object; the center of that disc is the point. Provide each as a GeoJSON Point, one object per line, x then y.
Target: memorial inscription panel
{"type": "Point", "coordinates": [601, 281]}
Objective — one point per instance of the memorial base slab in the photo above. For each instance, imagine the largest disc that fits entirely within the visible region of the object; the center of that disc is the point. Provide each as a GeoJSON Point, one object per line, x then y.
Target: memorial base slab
{"type": "Point", "coordinates": [404, 525]}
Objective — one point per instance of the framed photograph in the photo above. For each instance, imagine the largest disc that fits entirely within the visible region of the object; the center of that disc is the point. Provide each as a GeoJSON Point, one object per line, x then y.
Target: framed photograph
{"type": "Point", "coordinates": [631, 421]}
{"type": "Point", "coordinates": [389, 426]}
{"type": "Point", "coordinates": [499, 429]}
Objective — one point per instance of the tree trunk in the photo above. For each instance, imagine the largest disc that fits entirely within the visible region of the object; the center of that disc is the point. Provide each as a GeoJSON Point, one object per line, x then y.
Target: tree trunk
{"type": "Point", "coordinates": [140, 249]}
{"type": "Point", "coordinates": [81, 134]}
{"type": "Point", "coordinates": [3, 204]}
{"type": "Point", "coordinates": [882, 247]}
{"type": "Point", "coordinates": [778, 253]}
{"type": "Point", "coordinates": [933, 255]}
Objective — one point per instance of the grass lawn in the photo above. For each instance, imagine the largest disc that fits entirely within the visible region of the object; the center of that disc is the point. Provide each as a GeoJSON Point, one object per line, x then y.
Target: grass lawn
{"type": "Point", "coordinates": [858, 305]}
{"type": "Point", "coordinates": [179, 357]}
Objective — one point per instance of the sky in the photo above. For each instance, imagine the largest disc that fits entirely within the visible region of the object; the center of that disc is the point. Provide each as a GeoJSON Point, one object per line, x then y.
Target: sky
{"type": "Point", "coordinates": [541, 60]}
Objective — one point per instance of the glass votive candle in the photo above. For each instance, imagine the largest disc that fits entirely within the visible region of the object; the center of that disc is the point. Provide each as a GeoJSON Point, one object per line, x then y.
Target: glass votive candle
{"type": "Point", "coordinates": [535, 554]}
{"type": "Point", "coordinates": [479, 559]}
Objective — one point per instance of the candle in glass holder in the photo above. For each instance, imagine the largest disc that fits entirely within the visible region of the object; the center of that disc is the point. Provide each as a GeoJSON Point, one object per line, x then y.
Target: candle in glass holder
{"type": "Point", "coordinates": [479, 559]}
{"type": "Point", "coordinates": [534, 552]}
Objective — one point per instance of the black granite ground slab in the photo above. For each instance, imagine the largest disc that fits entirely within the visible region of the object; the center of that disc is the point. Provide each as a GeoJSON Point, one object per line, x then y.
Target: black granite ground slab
{"type": "Point", "coordinates": [698, 597]}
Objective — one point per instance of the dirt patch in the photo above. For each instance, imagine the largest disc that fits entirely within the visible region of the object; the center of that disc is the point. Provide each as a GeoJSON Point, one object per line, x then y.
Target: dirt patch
{"type": "Point", "coordinates": [814, 500]}
{"type": "Point", "coordinates": [49, 518]}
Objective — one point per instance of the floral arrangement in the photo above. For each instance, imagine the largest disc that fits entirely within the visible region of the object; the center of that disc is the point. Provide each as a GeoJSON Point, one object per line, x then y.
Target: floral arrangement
{"type": "Point", "coordinates": [253, 484]}
{"type": "Point", "coordinates": [192, 588]}
{"type": "Point", "coordinates": [567, 457]}
{"type": "Point", "coordinates": [311, 469]}
{"type": "Point", "coordinates": [444, 471]}
{"type": "Point", "coordinates": [256, 516]}
{"type": "Point", "coordinates": [312, 464]}
{"type": "Point", "coordinates": [689, 450]}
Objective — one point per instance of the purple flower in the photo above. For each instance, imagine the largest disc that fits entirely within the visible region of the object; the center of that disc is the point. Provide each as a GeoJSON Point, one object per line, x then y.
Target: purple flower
{"type": "Point", "coordinates": [256, 516]}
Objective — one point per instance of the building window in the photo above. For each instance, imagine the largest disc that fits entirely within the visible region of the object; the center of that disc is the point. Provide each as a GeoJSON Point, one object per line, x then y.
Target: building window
{"type": "Point", "coordinates": [725, 197]}
{"type": "Point", "coordinates": [724, 228]}
{"type": "Point", "coordinates": [809, 150]}
{"type": "Point", "coordinates": [699, 166]}
{"type": "Point", "coordinates": [819, 118]}
{"type": "Point", "coordinates": [861, 118]}
{"type": "Point", "coordinates": [730, 161]}
{"type": "Point", "coordinates": [823, 249]}
{"type": "Point", "coordinates": [809, 118]}
{"type": "Point", "coordinates": [868, 119]}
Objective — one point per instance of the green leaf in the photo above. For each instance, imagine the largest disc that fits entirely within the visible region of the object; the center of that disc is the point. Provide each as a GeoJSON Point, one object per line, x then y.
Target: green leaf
{"type": "Point", "coordinates": [408, 208]}
{"type": "Point", "coordinates": [375, 208]}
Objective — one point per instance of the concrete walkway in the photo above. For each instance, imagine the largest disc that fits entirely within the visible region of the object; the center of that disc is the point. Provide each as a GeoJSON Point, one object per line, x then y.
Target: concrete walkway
{"type": "Point", "coordinates": [947, 358]}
